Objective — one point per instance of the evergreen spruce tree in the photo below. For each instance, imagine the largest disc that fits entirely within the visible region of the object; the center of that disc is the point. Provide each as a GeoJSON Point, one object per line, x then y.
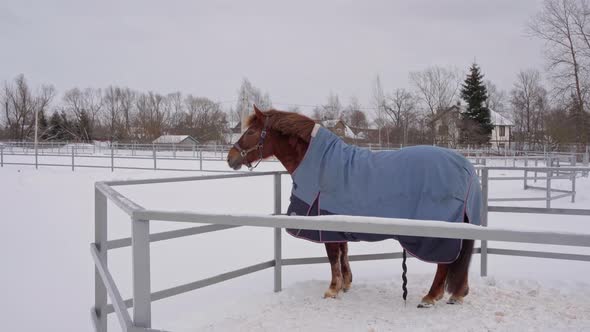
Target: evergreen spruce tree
{"type": "Point", "coordinates": [68, 129]}
{"type": "Point", "coordinates": [55, 130]}
{"type": "Point", "coordinates": [476, 126]}
{"type": "Point", "coordinates": [43, 124]}
{"type": "Point", "coordinates": [83, 127]}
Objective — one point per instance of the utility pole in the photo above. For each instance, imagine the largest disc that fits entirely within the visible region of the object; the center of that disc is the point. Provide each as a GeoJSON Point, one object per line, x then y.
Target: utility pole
{"type": "Point", "coordinates": [36, 135]}
{"type": "Point", "coordinates": [244, 110]}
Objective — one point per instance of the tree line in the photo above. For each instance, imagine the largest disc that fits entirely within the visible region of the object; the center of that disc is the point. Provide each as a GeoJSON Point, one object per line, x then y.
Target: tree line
{"type": "Point", "coordinates": [547, 106]}
{"type": "Point", "coordinates": [113, 113]}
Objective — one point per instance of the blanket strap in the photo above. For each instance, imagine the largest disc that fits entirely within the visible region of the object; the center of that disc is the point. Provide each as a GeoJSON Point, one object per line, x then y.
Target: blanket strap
{"type": "Point", "coordinates": [404, 278]}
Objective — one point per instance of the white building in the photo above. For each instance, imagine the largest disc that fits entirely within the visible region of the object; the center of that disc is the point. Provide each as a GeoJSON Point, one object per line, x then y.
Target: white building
{"type": "Point", "coordinates": [500, 138]}
{"type": "Point", "coordinates": [446, 124]}
{"type": "Point", "coordinates": [182, 140]}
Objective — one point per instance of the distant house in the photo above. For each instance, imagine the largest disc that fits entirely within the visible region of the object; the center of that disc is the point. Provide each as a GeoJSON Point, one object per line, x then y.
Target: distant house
{"type": "Point", "coordinates": [181, 140]}
{"type": "Point", "coordinates": [232, 132]}
{"type": "Point", "coordinates": [501, 134]}
{"type": "Point", "coordinates": [446, 125]}
{"type": "Point", "coordinates": [346, 132]}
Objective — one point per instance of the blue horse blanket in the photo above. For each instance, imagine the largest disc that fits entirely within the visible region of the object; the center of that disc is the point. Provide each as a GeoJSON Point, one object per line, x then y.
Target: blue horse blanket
{"type": "Point", "coordinates": [422, 183]}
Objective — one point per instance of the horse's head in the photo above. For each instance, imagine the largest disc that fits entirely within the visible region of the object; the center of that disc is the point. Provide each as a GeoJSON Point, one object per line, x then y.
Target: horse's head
{"type": "Point", "coordinates": [254, 144]}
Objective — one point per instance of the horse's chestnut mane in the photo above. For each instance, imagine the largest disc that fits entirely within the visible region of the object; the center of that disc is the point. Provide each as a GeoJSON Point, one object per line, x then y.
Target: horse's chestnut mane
{"type": "Point", "coordinates": [287, 123]}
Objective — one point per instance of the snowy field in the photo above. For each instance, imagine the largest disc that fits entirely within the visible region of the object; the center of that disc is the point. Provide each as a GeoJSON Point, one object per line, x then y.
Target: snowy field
{"type": "Point", "coordinates": [47, 271]}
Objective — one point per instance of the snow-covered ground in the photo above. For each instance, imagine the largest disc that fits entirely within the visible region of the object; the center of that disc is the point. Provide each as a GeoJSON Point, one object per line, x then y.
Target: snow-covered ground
{"type": "Point", "coordinates": [46, 279]}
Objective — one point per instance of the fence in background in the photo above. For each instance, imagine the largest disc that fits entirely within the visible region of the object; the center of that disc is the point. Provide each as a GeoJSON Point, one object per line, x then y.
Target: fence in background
{"type": "Point", "coordinates": [115, 156]}
{"type": "Point", "coordinates": [74, 156]}
{"type": "Point", "coordinates": [141, 238]}
{"type": "Point", "coordinates": [152, 153]}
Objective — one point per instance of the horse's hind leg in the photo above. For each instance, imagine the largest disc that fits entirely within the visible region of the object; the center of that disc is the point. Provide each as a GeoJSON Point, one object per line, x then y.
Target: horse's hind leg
{"type": "Point", "coordinates": [344, 264]}
{"type": "Point", "coordinates": [334, 254]}
{"type": "Point", "coordinates": [457, 297]}
{"type": "Point", "coordinates": [437, 290]}
{"type": "Point", "coordinates": [457, 283]}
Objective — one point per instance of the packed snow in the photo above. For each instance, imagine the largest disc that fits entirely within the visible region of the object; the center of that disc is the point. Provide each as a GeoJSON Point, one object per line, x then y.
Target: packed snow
{"type": "Point", "coordinates": [47, 271]}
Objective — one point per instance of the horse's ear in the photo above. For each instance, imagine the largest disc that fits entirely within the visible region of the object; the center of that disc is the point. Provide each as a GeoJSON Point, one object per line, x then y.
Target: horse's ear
{"type": "Point", "coordinates": [258, 113]}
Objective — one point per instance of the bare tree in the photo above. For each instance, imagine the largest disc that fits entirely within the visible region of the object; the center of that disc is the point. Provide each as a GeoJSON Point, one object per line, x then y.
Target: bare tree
{"type": "Point", "coordinates": [437, 89]}
{"type": "Point", "coordinates": [83, 109]}
{"type": "Point", "coordinates": [249, 95]}
{"type": "Point", "coordinates": [401, 108]}
{"type": "Point", "coordinates": [42, 102]}
{"type": "Point", "coordinates": [354, 116]}
{"type": "Point", "coordinates": [581, 22]}
{"type": "Point", "coordinates": [20, 105]}
{"type": "Point", "coordinates": [153, 115]}
{"type": "Point", "coordinates": [203, 119]}
{"type": "Point", "coordinates": [119, 105]}
{"type": "Point", "coordinates": [529, 105]}
{"type": "Point", "coordinates": [556, 25]}
{"type": "Point", "coordinates": [176, 109]}
{"type": "Point", "coordinates": [496, 100]}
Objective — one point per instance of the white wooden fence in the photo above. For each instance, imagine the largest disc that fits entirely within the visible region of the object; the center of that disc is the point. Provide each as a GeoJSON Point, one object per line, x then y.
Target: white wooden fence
{"type": "Point", "coordinates": [140, 240]}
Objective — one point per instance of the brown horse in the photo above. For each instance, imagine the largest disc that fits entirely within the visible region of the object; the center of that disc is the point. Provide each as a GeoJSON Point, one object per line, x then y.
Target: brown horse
{"type": "Point", "coordinates": [287, 136]}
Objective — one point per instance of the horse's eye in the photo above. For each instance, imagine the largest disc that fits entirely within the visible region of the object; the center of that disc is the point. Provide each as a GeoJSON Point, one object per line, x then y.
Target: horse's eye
{"type": "Point", "coordinates": [250, 132]}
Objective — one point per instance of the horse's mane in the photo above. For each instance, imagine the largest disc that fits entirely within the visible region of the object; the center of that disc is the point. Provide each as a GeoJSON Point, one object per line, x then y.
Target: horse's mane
{"type": "Point", "coordinates": [288, 123]}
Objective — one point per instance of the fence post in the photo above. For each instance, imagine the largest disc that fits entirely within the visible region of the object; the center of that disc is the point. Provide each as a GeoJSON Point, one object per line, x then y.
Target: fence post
{"type": "Point", "coordinates": [573, 187]}
{"type": "Point", "coordinates": [201, 159]}
{"type": "Point", "coordinates": [100, 240]}
{"type": "Point", "coordinates": [548, 194]}
{"type": "Point", "coordinates": [154, 154]}
{"type": "Point", "coordinates": [174, 150]}
{"type": "Point", "coordinates": [36, 157]}
{"type": "Point", "coordinates": [277, 233]}
{"type": "Point", "coordinates": [1, 155]}
{"type": "Point", "coordinates": [513, 158]}
{"type": "Point", "coordinates": [140, 247]}
{"type": "Point", "coordinates": [112, 158]}
{"type": "Point", "coordinates": [526, 172]}
{"type": "Point", "coordinates": [586, 160]}
{"type": "Point", "coordinates": [536, 164]}
{"type": "Point", "coordinates": [72, 158]}
{"type": "Point", "coordinates": [484, 221]}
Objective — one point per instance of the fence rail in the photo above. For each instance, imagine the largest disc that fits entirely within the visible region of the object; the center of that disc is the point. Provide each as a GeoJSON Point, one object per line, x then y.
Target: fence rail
{"type": "Point", "coordinates": [76, 158]}
{"type": "Point", "coordinates": [140, 218]}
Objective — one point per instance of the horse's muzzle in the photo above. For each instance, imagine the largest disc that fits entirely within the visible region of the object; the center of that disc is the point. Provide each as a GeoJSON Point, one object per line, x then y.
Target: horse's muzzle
{"type": "Point", "coordinates": [234, 160]}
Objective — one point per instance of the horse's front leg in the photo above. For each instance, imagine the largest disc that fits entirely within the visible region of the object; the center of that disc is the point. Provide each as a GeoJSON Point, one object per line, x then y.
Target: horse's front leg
{"type": "Point", "coordinates": [345, 266]}
{"type": "Point", "coordinates": [334, 254]}
{"type": "Point", "coordinates": [437, 290]}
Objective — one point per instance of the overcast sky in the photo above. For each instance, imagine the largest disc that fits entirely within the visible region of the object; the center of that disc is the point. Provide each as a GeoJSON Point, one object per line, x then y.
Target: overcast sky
{"type": "Point", "coordinates": [297, 51]}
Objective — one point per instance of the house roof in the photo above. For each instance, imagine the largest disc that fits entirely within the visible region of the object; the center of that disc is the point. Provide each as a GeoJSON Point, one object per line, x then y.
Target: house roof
{"type": "Point", "coordinates": [234, 124]}
{"type": "Point", "coordinates": [496, 118]}
{"type": "Point", "coordinates": [348, 131]}
{"type": "Point", "coordinates": [173, 139]}
{"type": "Point", "coordinates": [500, 120]}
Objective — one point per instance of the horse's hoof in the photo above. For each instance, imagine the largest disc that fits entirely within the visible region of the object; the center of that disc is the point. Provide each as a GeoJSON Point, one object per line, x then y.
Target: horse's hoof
{"type": "Point", "coordinates": [425, 305]}
{"type": "Point", "coordinates": [330, 294]}
{"type": "Point", "coordinates": [455, 300]}
{"type": "Point", "coordinates": [346, 288]}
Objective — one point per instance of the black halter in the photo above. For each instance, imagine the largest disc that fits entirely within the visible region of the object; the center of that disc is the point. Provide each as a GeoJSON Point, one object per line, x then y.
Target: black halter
{"type": "Point", "coordinates": [258, 147]}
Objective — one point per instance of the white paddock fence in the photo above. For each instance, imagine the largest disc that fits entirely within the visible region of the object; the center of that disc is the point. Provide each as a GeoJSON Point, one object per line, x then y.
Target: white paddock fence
{"type": "Point", "coordinates": [140, 218]}
{"type": "Point", "coordinates": [115, 156]}
{"type": "Point", "coordinates": [152, 156]}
